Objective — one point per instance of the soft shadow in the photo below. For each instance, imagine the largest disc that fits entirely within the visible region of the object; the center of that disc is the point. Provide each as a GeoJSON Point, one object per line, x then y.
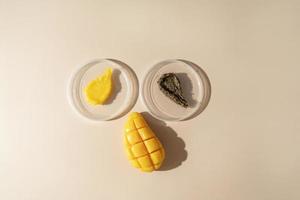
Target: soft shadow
{"type": "Point", "coordinates": [187, 88]}
{"type": "Point", "coordinates": [206, 85]}
{"type": "Point", "coordinates": [174, 146]}
{"type": "Point", "coordinates": [135, 84]}
{"type": "Point", "coordinates": [117, 86]}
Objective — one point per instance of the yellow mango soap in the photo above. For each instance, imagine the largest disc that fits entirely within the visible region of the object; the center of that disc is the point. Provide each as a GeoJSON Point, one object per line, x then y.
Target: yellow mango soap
{"type": "Point", "coordinates": [143, 149]}
{"type": "Point", "coordinates": [99, 90]}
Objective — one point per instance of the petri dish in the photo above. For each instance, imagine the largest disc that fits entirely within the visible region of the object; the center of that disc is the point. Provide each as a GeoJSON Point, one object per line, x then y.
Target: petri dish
{"type": "Point", "coordinates": [123, 98]}
{"type": "Point", "coordinates": [195, 85]}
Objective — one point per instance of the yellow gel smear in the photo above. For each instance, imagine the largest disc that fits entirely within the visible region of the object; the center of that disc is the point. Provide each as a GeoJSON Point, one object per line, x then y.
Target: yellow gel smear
{"type": "Point", "coordinates": [99, 90]}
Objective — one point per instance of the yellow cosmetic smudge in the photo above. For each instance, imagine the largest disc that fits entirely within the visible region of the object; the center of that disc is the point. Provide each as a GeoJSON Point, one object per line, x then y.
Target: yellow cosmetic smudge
{"type": "Point", "coordinates": [99, 90]}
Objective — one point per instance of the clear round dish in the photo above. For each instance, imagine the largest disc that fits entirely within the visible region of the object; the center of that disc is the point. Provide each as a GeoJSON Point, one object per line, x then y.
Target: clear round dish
{"type": "Point", "coordinates": [195, 85]}
{"type": "Point", "coordinates": [123, 98]}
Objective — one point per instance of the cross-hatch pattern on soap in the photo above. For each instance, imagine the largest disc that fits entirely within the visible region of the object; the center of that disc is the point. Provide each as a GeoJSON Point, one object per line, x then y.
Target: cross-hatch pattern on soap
{"type": "Point", "coordinates": [143, 148]}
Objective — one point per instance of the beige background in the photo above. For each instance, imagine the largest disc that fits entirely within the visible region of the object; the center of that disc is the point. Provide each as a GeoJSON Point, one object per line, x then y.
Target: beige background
{"type": "Point", "coordinates": [245, 145]}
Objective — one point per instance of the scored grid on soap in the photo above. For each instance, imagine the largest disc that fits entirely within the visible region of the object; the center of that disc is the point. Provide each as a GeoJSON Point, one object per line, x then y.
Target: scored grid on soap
{"type": "Point", "coordinates": [143, 141]}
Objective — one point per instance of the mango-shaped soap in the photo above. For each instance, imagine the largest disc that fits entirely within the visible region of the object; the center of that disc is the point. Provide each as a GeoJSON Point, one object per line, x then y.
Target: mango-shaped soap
{"type": "Point", "coordinates": [100, 89]}
{"type": "Point", "coordinates": [143, 149]}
